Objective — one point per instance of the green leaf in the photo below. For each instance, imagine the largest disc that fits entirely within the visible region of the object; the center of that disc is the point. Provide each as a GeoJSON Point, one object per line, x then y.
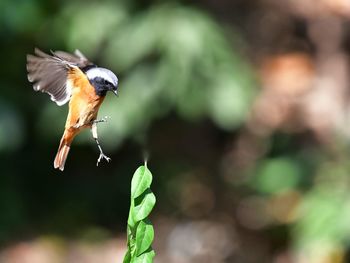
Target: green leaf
{"type": "Point", "coordinates": [127, 257]}
{"type": "Point", "coordinates": [144, 237]}
{"type": "Point", "coordinates": [131, 241]}
{"type": "Point", "coordinates": [131, 221]}
{"type": "Point", "coordinates": [141, 180]}
{"type": "Point", "coordinates": [140, 231]}
{"type": "Point", "coordinates": [142, 210]}
{"type": "Point", "coordinates": [145, 258]}
{"type": "Point", "coordinates": [131, 237]}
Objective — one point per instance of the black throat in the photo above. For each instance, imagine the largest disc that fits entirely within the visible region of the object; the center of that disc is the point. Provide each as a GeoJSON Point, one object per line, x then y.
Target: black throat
{"type": "Point", "coordinates": [99, 85]}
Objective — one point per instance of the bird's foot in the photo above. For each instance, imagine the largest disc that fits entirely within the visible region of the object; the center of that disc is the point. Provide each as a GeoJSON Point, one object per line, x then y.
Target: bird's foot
{"type": "Point", "coordinates": [102, 156]}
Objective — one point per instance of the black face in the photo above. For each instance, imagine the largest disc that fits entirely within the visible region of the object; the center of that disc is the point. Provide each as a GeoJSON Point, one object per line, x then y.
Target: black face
{"type": "Point", "coordinates": [102, 86]}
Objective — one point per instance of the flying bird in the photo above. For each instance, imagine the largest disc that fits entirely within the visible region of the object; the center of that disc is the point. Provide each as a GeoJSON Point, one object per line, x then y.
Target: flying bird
{"type": "Point", "coordinates": [72, 77]}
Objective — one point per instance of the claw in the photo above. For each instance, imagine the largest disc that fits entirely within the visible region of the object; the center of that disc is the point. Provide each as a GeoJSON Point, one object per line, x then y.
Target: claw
{"type": "Point", "coordinates": [104, 119]}
{"type": "Point", "coordinates": [94, 134]}
{"type": "Point", "coordinates": [102, 156]}
{"type": "Point", "coordinates": [98, 121]}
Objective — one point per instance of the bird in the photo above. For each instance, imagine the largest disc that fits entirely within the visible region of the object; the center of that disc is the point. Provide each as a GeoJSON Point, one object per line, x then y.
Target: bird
{"type": "Point", "coordinates": [72, 78]}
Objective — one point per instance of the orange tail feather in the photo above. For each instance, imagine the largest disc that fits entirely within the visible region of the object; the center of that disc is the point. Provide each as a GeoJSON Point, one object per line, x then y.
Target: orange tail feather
{"type": "Point", "coordinates": [63, 151]}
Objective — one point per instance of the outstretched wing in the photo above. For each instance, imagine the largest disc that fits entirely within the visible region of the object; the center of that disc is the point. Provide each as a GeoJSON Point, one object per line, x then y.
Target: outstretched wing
{"type": "Point", "coordinates": [49, 73]}
{"type": "Point", "coordinates": [77, 59]}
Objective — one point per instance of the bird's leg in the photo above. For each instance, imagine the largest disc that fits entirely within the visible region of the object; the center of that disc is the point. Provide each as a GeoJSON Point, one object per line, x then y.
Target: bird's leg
{"type": "Point", "coordinates": [94, 134]}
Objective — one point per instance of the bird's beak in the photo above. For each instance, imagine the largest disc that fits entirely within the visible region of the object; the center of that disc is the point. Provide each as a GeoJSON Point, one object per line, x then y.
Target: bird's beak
{"type": "Point", "coordinates": [115, 92]}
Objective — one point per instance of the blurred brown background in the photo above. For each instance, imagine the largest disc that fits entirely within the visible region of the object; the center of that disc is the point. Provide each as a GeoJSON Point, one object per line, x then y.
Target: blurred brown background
{"type": "Point", "coordinates": [243, 107]}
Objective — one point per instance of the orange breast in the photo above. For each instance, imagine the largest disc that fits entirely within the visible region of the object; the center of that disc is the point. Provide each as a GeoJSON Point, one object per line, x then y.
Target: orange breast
{"type": "Point", "coordinates": [84, 103]}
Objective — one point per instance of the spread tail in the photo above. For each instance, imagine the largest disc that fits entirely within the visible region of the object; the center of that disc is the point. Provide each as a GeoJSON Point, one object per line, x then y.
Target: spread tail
{"type": "Point", "coordinates": [62, 152]}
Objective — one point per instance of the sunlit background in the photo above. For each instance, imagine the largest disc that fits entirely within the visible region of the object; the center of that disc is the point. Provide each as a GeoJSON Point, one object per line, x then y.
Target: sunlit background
{"type": "Point", "coordinates": [243, 107]}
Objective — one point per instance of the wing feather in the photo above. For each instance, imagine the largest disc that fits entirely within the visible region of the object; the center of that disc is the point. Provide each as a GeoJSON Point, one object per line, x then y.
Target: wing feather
{"type": "Point", "coordinates": [49, 73]}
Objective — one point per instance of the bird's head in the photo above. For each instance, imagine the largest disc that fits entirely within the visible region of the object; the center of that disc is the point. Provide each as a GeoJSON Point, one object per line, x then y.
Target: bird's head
{"type": "Point", "coordinates": [103, 80]}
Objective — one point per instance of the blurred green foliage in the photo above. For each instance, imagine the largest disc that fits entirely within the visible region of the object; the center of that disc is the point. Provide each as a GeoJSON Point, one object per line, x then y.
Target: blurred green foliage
{"type": "Point", "coordinates": [277, 175]}
{"type": "Point", "coordinates": [176, 58]}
